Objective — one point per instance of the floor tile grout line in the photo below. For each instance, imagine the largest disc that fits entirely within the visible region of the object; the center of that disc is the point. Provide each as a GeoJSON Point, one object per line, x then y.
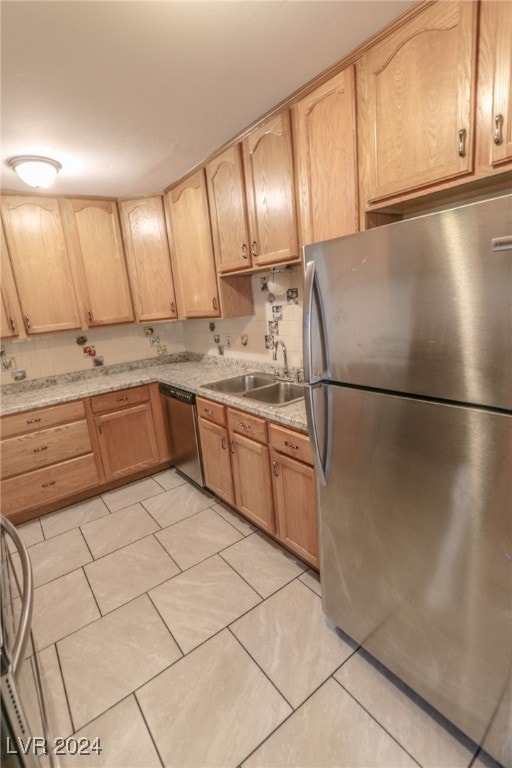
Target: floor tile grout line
{"type": "Point", "coordinates": [68, 703]}
{"type": "Point", "coordinates": [381, 725]}
{"type": "Point", "coordinates": [137, 702]}
{"type": "Point", "coordinates": [183, 653]}
{"type": "Point", "coordinates": [126, 544]}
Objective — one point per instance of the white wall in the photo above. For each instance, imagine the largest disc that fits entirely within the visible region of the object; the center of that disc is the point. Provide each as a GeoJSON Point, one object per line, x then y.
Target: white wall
{"type": "Point", "coordinates": [57, 353]}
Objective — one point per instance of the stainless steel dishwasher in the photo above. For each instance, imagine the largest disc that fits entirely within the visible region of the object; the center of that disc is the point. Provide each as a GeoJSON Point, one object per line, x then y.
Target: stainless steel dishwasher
{"type": "Point", "coordinates": [181, 414]}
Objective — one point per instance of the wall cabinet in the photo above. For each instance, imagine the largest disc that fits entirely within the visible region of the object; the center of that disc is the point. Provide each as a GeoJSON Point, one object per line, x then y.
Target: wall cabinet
{"type": "Point", "coordinates": [265, 471]}
{"type": "Point", "coordinates": [228, 210]}
{"type": "Point", "coordinates": [192, 249]}
{"type": "Point", "coordinates": [43, 272]}
{"type": "Point", "coordinates": [417, 101]}
{"type": "Point", "coordinates": [494, 127]}
{"type": "Point", "coordinates": [270, 187]}
{"type": "Point", "coordinates": [325, 144]}
{"type": "Point", "coordinates": [126, 431]}
{"type": "Point", "coordinates": [94, 237]}
{"type": "Point", "coordinates": [47, 455]}
{"type": "Point", "coordinates": [11, 323]}
{"type": "Point", "coordinates": [293, 478]}
{"type": "Point", "coordinates": [148, 258]}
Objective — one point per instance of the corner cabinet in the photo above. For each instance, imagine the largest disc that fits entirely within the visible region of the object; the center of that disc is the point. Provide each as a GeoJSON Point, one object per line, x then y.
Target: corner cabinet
{"type": "Point", "coordinates": [417, 103]}
{"type": "Point", "coordinates": [148, 259]}
{"type": "Point", "coordinates": [270, 187]}
{"type": "Point", "coordinates": [325, 143]}
{"type": "Point", "coordinates": [192, 249]}
{"type": "Point", "coordinates": [494, 139]}
{"type": "Point", "coordinates": [94, 237]}
{"type": "Point", "coordinates": [43, 271]}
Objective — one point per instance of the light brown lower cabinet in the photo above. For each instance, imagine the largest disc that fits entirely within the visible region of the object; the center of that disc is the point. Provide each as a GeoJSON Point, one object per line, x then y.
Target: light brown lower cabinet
{"type": "Point", "coordinates": [265, 471]}
{"type": "Point", "coordinates": [57, 455]}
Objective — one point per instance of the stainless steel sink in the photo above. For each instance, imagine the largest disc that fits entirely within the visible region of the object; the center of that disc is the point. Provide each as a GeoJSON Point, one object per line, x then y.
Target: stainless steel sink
{"type": "Point", "coordinates": [238, 385]}
{"type": "Point", "coordinates": [279, 393]}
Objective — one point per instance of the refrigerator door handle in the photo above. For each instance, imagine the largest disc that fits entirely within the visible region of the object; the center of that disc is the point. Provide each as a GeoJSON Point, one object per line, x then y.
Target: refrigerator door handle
{"type": "Point", "coordinates": [320, 433]}
{"type": "Point", "coordinates": [312, 300]}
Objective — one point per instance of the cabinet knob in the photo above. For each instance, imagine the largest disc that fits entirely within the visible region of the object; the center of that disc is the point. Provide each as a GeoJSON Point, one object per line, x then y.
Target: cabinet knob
{"type": "Point", "coordinates": [462, 142]}
{"type": "Point", "coordinates": [122, 399]}
{"type": "Point", "coordinates": [244, 426]}
{"type": "Point", "coordinates": [291, 445]}
{"type": "Point", "coordinates": [254, 248]}
{"type": "Point", "coordinates": [47, 485]}
{"type": "Point", "coordinates": [498, 129]}
{"type": "Point", "coordinates": [38, 450]}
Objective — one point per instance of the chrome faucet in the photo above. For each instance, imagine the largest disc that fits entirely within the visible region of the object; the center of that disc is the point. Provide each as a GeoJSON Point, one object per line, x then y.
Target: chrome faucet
{"type": "Point", "coordinates": [285, 356]}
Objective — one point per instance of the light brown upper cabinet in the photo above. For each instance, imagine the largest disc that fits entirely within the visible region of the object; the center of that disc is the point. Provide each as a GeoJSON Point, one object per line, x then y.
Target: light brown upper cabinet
{"type": "Point", "coordinates": [42, 269]}
{"type": "Point", "coordinates": [148, 258]}
{"type": "Point", "coordinates": [325, 144]}
{"type": "Point", "coordinates": [417, 101]}
{"type": "Point", "coordinates": [199, 293]}
{"type": "Point", "coordinates": [495, 87]}
{"type": "Point", "coordinates": [94, 236]}
{"type": "Point", "coordinates": [228, 210]}
{"type": "Point", "coordinates": [11, 323]}
{"type": "Point", "coordinates": [192, 249]}
{"type": "Point", "coordinates": [269, 179]}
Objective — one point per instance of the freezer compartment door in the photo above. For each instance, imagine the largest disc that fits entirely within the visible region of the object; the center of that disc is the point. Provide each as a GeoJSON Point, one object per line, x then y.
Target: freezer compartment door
{"type": "Point", "coordinates": [422, 306]}
{"type": "Point", "coordinates": [416, 550]}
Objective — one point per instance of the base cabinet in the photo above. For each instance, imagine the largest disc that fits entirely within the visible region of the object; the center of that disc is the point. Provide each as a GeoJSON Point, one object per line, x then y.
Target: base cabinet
{"type": "Point", "coordinates": [265, 471]}
{"type": "Point", "coordinates": [126, 432]}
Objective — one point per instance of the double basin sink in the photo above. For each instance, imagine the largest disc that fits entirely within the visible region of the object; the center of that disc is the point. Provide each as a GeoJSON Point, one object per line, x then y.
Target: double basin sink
{"type": "Point", "coordinates": [259, 386]}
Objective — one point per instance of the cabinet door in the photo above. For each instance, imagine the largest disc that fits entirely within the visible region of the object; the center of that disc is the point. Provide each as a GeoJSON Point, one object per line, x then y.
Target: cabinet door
{"type": "Point", "coordinates": [40, 263]}
{"type": "Point", "coordinates": [325, 144]}
{"type": "Point", "coordinates": [228, 210]}
{"type": "Point", "coordinates": [252, 481]}
{"type": "Point", "coordinates": [418, 102]}
{"type": "Point", "coordinates": [192, 248]}
{"type": "Point", "coordinates": [295, 497]}
{"type": "Point", "coordinates": [127, 440]}
{"type": "Point", "coordinates": [268, 165]}
{"type": "Point", "coordinates": [94, 235]}
{"type": "Point", "coordinates": [148, 258]}
{"type": "Point", "coordinates": [495, 85]}
{"type": "Point", "coordinates": [11, 323]}
{"type": "Point", "coordinates": [216, 459]}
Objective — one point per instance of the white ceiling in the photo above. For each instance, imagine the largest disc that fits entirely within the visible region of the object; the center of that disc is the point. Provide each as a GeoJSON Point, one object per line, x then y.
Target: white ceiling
{"type": "Point", "coordinates": [131, 94]}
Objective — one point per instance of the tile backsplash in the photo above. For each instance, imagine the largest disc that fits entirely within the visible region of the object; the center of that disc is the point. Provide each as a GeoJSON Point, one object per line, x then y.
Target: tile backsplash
{"type": "Point", "coordinates": [47, 355]}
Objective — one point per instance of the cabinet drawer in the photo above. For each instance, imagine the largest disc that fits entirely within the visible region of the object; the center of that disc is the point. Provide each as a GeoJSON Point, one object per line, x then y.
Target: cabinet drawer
{"type": "Point", "coordinates": [295, 444]}
{"type": "Point", "coordinates": [111, 401]}
{"type": "Point", "coordinates": [28, 421]}
{"type": "Point", "coordinates": [248, 425]}
{"type": "Point", "coordinates": [47, 446]}
{"type": "Point", "coordinates": [215, 412]}
{"type": "Point", "coordinates": [43, 486]}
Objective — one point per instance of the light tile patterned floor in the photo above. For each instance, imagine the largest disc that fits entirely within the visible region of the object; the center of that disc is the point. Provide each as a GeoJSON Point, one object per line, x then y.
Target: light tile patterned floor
{"type": "Point", "coordinates": [180, 635]}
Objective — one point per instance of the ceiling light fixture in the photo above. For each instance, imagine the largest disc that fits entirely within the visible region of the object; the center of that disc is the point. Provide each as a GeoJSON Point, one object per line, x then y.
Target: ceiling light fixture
{"type": "Point", "coordinates": [38, 172]}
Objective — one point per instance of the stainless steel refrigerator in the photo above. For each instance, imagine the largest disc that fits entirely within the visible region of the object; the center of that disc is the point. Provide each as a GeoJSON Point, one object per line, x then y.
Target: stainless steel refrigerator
{"type": "Point", "coordinates": [408, 369]}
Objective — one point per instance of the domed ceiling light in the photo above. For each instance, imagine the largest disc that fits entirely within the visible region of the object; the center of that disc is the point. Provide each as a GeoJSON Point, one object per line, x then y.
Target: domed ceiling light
{"type": "Point", "coordinates": [37, 172]}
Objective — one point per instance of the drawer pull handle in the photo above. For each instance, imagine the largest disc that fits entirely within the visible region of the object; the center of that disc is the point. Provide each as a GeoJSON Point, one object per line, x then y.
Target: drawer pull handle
{"type": "Point", "coordinates": [13, 324]}
{"type": "Point", "coordinates": [232, 446]}
{"type": "Point", "coordinates": [462, 143]}
{"type": "Point", "coordinates": [89, 315]}
{"type": "Point", "coordinates": [173, 308]}
{"type": "Point", "coordinates": [121, 399]}
{"type": "Point", "coordinates": [254, 248]}
{"type": "Point", "coordinates": [291, 445]}
{"type": "Point", "coordinates": [46, 485]}
{"type": "Point", "coordinates": [244, 251]}
{"type": "Point", "coordinates": [33, 421]}
{"type": "Point", "coordinates": [214, 303]}
{"type": "Point", "coordinates": [27, 321]}
{"type": "Point", "coordinates": [244, 426]}
{"type": "Point", "coordinates": [208, 411]}
{"type": "Point", "coordinates": [275, 466]}
{"type": "Point", "coordinates": [498, 129]}
{"type": "Point", "coordinates": [43, 448]}
{"type": "Point", "coordinates": [223, 442]}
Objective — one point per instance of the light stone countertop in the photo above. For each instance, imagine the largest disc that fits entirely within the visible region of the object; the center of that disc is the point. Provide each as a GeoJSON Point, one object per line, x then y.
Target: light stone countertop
{"type": "Point", "coordinates": [179, 372]}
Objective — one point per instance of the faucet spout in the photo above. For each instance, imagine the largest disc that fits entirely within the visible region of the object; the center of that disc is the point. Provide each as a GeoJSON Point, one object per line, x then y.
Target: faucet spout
{"type": "Point", "coordinates": [285, 355]}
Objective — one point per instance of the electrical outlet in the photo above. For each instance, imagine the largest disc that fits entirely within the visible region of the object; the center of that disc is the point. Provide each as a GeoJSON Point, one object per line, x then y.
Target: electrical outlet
{"type": "Point", "coordinates": [155, 341]}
